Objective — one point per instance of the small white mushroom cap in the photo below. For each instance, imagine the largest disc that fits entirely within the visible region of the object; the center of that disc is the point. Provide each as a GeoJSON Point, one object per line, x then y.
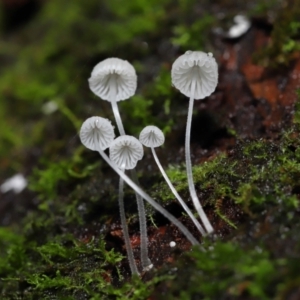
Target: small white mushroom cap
{"type": "Point", "coordinates": [152, 136]}
{"type": "Point", "coordinates": [113, 73]}
{"type": "Point", "coordinates": [198, 66]}
{"type": "Point", "coordinates": [125, 151]}
{"type": "Point", "coordinates": [96, 133]}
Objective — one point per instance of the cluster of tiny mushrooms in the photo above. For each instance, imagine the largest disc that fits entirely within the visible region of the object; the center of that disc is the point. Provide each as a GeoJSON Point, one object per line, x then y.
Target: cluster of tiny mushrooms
{"type": "Point", "coordinates": [194, 74]}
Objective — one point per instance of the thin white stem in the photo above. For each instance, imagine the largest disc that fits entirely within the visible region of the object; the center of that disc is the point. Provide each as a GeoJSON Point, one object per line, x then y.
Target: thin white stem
{"type": "Point", "coordinates": [171, 186]}
{"type": "Point", "coordinates": [145, 261]}
{"type": "Point", "coordinates": [189, 173]}
{"type": "Point", "coordinates": [129, 250]}
{"type": "Point", "coordinates": [115, 108]}
{"type": "Point", "coordinates": [145, 196]}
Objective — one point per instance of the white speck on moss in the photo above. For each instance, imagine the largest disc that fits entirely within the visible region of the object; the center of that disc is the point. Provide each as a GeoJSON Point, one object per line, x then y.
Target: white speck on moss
{"type": "Point", "coordinates": [242, 24]}
{"type": "Point", "coordinates": [16, 183]}
{"type": "Point", "coordinates": [49, 107]}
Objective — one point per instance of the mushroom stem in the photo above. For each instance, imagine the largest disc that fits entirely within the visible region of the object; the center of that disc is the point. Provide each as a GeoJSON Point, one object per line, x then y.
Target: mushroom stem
{"type": "Point", "coordinates": [145, 196]}
{"type": "Point", "coordinates": [185, 207]}
{"type": "Point", "coordinates": [129, 250]}
{"type": "Point", "coordinates": [189, 172]}
{"type": "Point", "coordinates": [114, 106]}
{"type": "Point", "coordinates": [146, 262]}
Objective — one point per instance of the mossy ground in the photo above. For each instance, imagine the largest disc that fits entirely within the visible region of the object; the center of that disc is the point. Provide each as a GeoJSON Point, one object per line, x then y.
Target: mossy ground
{"type": "Point", "coordinates": [61, 237]}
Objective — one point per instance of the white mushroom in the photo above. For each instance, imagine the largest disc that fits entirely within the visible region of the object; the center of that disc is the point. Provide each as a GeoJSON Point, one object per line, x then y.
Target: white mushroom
{"type": "Point", "coordinates": [125, 151]}
{"type": "Point", "coordinates": [195, 74]}
{"type": "Point", "coordinates": [151, 136]}
{"type": "Point", "coordinates": [113, 75]}
{"type": "Point", "coordinates": [96, 133]}
{"type": "Point", "coordinates": [114, 79]}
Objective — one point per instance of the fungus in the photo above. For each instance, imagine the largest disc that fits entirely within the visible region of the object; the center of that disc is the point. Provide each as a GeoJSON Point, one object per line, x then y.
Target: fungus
{"type": "Point", "coordinates": [114, 79]}
{"type": "Point", "coordinates": [152, 137]}
{"type": "Point", "coordinates": [128, 246]}
{"type": "Point", "coordinates": [103, 140]}
{"type": "Point", "coordinates": [125, 151]}
{"type": "Point", "coordinates": [195, 74]}
{"type": "Point", "coordinates": [96, 133]}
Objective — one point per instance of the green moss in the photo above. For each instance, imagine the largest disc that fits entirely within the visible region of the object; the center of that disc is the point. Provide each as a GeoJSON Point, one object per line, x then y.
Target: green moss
{"type": "Point", "coordinates": [66, 268]}
{"type": "Point", "coordinates": [187, 35]}
{"type": "Point", "coordinates": [12, 255]}
{"type": "Point", "coordinates": [225, 269]}
{"type": "Point", "coordinates": [284, 39]}
{"type": "Point", "coordinates": [258, 263]}
{"type": "Point", "coordinates": [264, 7]}
{"type": "Point", "coordinates": [297, 110]}
{"type": "Point", "coordinates": [44, 282]}
{"type": "Point", "coordinates": [46, 179]}
{"type": "Point", "coordinates": [243, 177]}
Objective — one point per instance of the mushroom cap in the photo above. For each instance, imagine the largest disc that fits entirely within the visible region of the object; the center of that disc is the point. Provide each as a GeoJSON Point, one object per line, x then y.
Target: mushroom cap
{"type": "Point", "coordinates": [198, 66]}
{"type": "Point", "coordinates": [96, 133]}
{"type": "Point", "coordinates": [113, 73]}
{"type": "Point", "coordinates": [125, 151]}
{"type": "Point", "coordinates": [152, 136]}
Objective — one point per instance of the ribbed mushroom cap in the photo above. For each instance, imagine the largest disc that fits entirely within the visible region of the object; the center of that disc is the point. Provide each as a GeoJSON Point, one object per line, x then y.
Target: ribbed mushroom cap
{"type": "Point", "coordinates": [96, 133]}
{"type": "Point", "coordinates": [152, 136]}
{"type": "Point", "coordinates": [113, 73]}
{"type": "Point", "coordinates": [125, 151]}
{"type": "Point", "coordinates": [198, 66]}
